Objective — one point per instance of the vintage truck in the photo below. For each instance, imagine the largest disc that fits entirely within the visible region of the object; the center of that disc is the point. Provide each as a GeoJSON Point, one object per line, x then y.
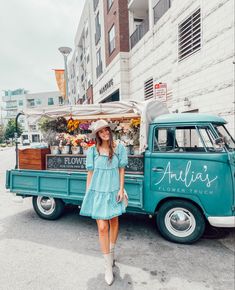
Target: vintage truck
{"type": "Point", "coordinates": [187, 179]}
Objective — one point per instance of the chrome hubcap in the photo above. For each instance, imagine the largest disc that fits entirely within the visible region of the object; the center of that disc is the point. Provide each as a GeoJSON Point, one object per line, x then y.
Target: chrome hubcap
{"type": "Point", "coordinates": [46, 204]}
{"type": "Point", "coordinates": [180, 222]}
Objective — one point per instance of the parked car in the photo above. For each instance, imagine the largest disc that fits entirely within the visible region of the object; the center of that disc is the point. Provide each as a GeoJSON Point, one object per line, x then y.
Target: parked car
{"type": "Point", "coordinates": [25, 142]}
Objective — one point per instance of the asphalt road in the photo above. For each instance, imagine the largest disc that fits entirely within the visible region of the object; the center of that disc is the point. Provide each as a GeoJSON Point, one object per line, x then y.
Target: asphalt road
{"type": "Point", "coordinates": [65, 254]}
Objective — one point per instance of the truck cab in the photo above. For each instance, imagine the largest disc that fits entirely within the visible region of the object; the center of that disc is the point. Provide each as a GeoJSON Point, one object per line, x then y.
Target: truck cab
{"type": "Point", "coordinates": [189, 174]}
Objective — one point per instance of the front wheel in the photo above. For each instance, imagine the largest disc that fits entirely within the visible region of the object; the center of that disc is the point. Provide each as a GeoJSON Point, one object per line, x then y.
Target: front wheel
{"type": "Point", "coordinates": [48, 207]}
{"type": "Point", "coordinates": [180, 222]}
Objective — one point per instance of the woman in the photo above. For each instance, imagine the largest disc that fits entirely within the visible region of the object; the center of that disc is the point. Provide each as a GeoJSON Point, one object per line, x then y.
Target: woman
{"type": "Point", "coordinates": [105, 199]}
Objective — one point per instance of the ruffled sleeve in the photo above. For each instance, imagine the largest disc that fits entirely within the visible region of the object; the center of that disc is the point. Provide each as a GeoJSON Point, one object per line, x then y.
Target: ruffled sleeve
{"type": "Point", "coordinates": [90, 158]}
{"type": "Point", "coordinates": [123, 158]}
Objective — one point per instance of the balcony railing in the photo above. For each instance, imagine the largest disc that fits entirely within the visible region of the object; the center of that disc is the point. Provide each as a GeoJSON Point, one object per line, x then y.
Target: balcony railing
{"type": "Point", "coordinates": [140, 31]}
{"type": "Point", "coordinates": [160, 9]}
{"type": "Point", "coordinates": [99, 70]}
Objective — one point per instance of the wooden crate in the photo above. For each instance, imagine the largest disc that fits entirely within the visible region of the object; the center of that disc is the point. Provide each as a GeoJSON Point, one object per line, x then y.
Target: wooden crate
{"type": "Point", "coordinates": [33, 158]}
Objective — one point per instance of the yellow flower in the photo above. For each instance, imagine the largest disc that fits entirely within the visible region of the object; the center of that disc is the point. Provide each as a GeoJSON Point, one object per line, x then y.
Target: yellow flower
{"type": "Point", "coordinates": [135, 122]}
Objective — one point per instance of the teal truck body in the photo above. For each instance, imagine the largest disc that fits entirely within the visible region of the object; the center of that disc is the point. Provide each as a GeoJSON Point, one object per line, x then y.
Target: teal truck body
{"type": "Point", "coordinates": [189, 175]}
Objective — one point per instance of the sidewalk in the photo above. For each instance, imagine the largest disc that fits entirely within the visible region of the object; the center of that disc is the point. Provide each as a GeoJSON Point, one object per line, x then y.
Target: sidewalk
{"type": "Point", "coordinates": [6, 148]}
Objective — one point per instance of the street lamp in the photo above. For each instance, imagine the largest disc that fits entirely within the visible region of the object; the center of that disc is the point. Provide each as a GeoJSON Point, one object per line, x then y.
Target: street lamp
{"type": "Point", "coordinates": [65, 51]}
{"type": "Point", "coordinates": [16, 137]}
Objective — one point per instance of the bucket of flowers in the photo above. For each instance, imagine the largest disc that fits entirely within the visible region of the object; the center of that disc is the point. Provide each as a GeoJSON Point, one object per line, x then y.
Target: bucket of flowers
{"type": "Point", "coordinates": [53, 142]}
{"type": "Point", "coordinates": [76, 143]}
{"type": "Point", "coordinates": [64, 142]}
{"type": "Point", "coordinates": [86, 143]}
{"type": "Point", "coordinates": [134, 133]}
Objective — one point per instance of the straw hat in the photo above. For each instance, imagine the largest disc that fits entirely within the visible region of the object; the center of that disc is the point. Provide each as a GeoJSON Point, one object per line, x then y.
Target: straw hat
{"type": "Point", "coordinates": [98, 125]}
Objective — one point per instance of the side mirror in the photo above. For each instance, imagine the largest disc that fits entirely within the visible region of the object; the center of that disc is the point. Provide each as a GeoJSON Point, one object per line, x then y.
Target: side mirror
{"type": "Point", "coordinates": [219, 141]}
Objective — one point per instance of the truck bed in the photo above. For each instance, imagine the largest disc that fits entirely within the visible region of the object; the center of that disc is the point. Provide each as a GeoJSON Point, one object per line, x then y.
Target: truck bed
{"type": "Point", "coordinates": [69, 186]}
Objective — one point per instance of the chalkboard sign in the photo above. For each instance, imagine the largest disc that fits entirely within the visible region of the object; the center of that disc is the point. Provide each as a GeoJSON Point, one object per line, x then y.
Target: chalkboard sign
{"type": "Point", "coordinates": [78, 162]}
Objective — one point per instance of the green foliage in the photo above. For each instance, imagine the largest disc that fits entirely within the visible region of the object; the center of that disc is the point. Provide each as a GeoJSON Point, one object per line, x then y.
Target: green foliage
{"type": "Point", "coordinates": [57, 125]}
{"type": "Point", "coordinates": [1, 134]}
{"type": "Point", "coordinates": [10, 129]}
{"type": "Point", "coordinates": [50, 128]}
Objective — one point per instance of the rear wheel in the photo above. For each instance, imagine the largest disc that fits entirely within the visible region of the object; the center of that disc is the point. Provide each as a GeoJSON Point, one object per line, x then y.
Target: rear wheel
{"type": "Point", "coordinates": [180, 221]}
{"type": "Point", "coordinates": [48, 207]}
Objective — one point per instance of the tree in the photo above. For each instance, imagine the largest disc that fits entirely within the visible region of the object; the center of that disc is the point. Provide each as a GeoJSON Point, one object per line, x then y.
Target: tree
{"type": "Point", "coordinates": [10, 129]}
{"type": "Point", "coordinates": [1, 134]}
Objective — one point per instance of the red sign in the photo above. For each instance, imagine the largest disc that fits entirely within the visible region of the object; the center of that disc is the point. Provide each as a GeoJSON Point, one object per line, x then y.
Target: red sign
{"type": "Point", "coordinates": [161, 91]}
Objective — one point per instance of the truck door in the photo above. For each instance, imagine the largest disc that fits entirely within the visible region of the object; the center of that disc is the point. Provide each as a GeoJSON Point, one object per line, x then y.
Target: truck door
{"type": "Point", "coordinates": [185, 164]}
{"type": "Point", "coordinates": [228, 143]}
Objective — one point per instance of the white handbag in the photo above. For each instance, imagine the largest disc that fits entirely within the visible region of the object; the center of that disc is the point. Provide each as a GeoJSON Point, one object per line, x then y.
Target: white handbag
{"type": "Point", "coordinates": [125, 198]}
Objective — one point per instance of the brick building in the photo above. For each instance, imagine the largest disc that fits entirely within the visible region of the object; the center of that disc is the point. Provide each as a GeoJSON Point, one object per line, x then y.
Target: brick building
{"type": "Point", "coordinates": [186, 45]}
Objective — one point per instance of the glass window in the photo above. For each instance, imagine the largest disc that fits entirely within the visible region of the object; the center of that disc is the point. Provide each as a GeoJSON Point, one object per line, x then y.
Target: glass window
{"type": "Point", "coordinates": [95, 4]}
{"type": "Point", "coordinates": [33, 127]}
{"type": "Point", "coordinates": [109, 3]}
{"type": "Point", "coordinates": [226, 139]}
{"type": "Point", "coordinates": [97, 27]}
{"type": "Point", "coordinates": [61, 100]}
{"type": "Point", "coordinates": [112, 39]}
{"type": "Point", "coordinates": [99, 68]}
{"type": "Point", "coordinates": [184, 139]}
{"type": "Point", "coordinates": [20, 103]}
{"type": "Point", "coordinates": [31, 102]}
{"type": "Point", "coordinates": [35, 138]}
{"type": "Point", "coordinates": [50, 101]}
{"type": "Point", "coordinates": [164, 139]}
{"type": "Point", "coordinates": [98, 57]}
{"type": "Point", "coordinates": [38, 102]}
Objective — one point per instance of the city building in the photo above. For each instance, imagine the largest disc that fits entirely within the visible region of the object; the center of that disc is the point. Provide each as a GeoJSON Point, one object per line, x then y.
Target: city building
{"type": "Point", "coordinates": [174, 51]}
{"type": "Point", "coordinates": [15, 101]}
{"type": "Point", "coordinates": [98, 70]}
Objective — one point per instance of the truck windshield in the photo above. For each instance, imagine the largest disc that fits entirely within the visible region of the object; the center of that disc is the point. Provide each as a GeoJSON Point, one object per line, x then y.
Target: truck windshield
{"type": "Point", "coordinates": [227, 139]}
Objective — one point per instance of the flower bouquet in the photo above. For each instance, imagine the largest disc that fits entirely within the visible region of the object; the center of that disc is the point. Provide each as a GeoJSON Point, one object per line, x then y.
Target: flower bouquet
{"type": "Point", "coordinates": [51, 138]}
{"type": "Point", "coordinates": [72, 125]}
{"type": "Point", "coordinates": [64, 142]}
{"type": "Point", "coordinates": [134, 133]}
{"type": "Point", "coordinates": [84, 127]}
{"type": "Point", "coordinates": [76, 143]}
{"type": "Point", "coordinates": [86, 143]}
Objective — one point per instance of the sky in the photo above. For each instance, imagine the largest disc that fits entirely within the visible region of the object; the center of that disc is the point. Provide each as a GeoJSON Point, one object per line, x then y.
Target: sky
{"type": "Point", "coordinates": [31, 31]}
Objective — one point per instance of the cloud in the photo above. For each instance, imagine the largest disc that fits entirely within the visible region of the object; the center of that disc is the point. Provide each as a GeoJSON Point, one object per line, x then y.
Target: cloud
{"type": "Point", "coordinates": [31, 32]}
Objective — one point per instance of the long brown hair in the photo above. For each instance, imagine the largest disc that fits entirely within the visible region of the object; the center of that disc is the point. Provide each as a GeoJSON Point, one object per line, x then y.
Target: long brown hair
{"type": "Point", "coordinates": [111, 143]}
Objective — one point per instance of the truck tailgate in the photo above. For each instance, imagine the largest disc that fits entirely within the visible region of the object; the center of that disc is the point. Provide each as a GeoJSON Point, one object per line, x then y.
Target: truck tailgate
{"type": "Point", "coordinates": [66, 185]}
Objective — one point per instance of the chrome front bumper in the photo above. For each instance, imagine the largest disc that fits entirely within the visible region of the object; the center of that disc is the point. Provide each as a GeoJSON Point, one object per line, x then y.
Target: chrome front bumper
{"type": "Point", "coordinates": [222, 221]}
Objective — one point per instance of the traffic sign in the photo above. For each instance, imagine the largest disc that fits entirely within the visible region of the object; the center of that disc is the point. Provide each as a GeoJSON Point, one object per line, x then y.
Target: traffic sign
{"type": "Point", "coordinates": [161, 91]}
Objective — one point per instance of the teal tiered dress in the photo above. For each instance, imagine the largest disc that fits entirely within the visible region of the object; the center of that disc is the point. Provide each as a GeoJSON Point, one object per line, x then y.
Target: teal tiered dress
{"type": "Point", "coordinates": [100, 199]}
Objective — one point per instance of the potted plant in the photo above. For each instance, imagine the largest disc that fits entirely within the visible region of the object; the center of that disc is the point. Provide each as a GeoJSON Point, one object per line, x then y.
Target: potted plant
{"type": "Point", "coordinates": [50, 137]}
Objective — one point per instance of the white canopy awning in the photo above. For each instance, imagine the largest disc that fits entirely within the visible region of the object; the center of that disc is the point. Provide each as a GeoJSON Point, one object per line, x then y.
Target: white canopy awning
{"type": "Point", "coordinates": [146, 110]}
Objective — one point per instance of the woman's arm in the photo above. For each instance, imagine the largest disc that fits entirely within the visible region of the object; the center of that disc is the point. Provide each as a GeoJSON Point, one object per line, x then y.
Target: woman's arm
{"type": "Point", "coordinates": [120, 195]}
{"type": "Point", "coordinates": [88, 180]}
{"type": "Point", "coordinates": [122, 174]}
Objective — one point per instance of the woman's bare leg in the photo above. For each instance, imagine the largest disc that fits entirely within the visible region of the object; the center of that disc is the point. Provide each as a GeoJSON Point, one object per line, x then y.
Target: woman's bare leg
{"type": "Point", "coordinates": [103, 230]}
{"type": "Point", "coordinates": [114, 225]}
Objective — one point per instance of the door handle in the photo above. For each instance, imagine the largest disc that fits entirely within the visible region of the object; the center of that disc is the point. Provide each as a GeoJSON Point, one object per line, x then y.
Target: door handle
{"type": "Point", "coordinates": [158, 169]}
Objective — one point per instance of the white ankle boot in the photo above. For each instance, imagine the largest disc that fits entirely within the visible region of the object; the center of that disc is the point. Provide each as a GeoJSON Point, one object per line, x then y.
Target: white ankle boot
{"type": "Point", "coordinates": [108, 269]}
{"type": "Point", "coordinates": [112, 246]}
